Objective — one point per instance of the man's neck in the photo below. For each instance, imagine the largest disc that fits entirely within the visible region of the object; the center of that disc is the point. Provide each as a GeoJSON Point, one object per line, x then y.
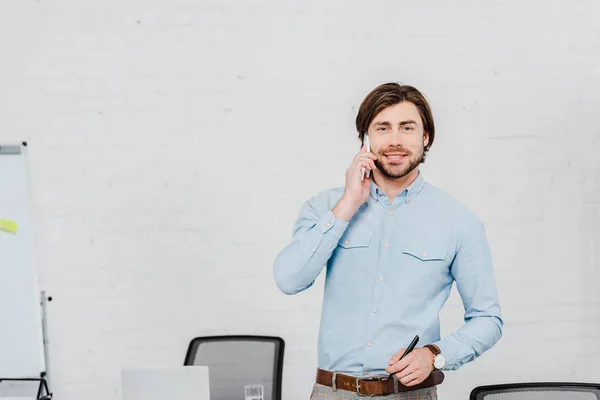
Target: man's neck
{"type": "Point", "coordinates": [390, 186]}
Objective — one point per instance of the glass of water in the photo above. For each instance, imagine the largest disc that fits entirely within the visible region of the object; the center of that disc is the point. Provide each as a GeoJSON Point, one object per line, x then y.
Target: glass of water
{"type": "Point", "coordinates": [254, 392]}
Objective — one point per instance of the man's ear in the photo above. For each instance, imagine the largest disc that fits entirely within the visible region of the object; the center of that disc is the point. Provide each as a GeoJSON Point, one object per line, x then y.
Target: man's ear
{"type": "Point", "coordinates": [425, 139]}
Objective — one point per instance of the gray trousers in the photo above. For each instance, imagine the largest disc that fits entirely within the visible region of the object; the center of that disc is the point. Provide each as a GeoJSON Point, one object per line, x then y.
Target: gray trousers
{"type": "Point", "coordinates": [322, 392]}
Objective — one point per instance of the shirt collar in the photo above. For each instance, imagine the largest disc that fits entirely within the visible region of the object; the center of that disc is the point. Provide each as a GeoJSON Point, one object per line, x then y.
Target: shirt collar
{"type": "Point", "coordinates": [410, 192]}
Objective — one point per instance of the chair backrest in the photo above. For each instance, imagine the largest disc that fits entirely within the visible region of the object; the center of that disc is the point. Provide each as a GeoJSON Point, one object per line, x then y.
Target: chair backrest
{"type": "Point", "coordinates": [538, 391]}
{"type": "Point", "coordinates": [237, 361]}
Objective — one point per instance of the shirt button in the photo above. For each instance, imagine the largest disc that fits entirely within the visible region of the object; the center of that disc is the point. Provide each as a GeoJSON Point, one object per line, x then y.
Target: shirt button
{"type": "Point", "coordinates": [366, 372]}
{"type": "Point", "coordinates": [380, 278]}
{"type": "Point", "coordinates": [409, 198]}
{"type": "Point", "coordinates": [328, 224]}
{"type": "Point", "coordinates": [369, 344]}
{"type": "Point", "coordinates": [313, 250]}
{"type": "Point", "coordinates": [391, 212]}
{"type": "Point", "coordinates": [375, 310]}
{"type": "Point", "coordinates": [346, 242]}
{"type": "Point", "coordinates": [385, 244]}
{"type": "Point", "coordinates": [424, 255]}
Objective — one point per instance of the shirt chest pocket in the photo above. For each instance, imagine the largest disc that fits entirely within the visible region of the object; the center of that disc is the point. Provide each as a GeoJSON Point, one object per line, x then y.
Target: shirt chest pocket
{"type": "Point", "coordinates": [424, 251]}
{"type": "Point", "coordinates": [352, 260]}
{"type": "Point", "coordinates": [423, 267]}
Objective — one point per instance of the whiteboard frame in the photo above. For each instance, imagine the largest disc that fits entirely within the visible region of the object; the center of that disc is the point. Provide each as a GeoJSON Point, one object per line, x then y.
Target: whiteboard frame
{"type": "Point", "coordinates": [21, 151]}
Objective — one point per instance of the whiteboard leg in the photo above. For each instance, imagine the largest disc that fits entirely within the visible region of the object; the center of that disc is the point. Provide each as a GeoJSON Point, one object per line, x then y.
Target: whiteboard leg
{"type": "Point", "coordinates": [45, 374]}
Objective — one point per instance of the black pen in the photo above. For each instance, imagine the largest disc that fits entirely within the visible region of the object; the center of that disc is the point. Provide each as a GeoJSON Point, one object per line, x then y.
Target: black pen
{"type": "Point", "coordinates": [411, 346]}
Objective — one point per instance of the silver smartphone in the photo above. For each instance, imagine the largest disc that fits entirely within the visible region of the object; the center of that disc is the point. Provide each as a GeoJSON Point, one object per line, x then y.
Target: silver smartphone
{"type": "Point", "coordinates": [364, 170]}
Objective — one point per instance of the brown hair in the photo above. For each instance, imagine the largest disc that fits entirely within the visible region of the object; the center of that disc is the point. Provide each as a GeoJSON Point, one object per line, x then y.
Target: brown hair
{"type": "Point", "coordinates": [390, 94]}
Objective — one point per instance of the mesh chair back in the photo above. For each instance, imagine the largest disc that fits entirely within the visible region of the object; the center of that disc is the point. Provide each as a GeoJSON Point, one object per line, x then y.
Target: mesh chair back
{"type": "Point", "coordinates": [538, 391]}
{"type": "Point", "coordinates": [237, 361]}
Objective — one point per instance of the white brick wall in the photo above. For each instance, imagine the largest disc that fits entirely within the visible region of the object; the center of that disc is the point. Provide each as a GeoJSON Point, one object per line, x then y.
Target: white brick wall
{"type": "Point", "coordinates": [172, 144]}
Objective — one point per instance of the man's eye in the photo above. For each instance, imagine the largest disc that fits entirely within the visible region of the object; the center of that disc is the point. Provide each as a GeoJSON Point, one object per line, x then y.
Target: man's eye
{"type": "Point", "coordinates": [409, 128]}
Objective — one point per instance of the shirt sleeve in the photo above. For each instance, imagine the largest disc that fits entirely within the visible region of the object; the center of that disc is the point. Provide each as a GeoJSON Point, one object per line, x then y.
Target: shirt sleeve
{"type": "Point", "coordinates": [314, 238]}
{"type": "Point", "coordinates": [473, 272]}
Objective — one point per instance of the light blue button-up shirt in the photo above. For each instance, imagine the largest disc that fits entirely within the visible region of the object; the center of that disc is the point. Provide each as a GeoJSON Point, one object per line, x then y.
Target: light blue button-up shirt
{"type": "Point", "coordinates": [389, 271]}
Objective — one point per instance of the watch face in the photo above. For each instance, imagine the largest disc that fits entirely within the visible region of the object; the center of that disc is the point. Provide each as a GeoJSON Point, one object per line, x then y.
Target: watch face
{"type": "Point", "coordinates": [439, 361]}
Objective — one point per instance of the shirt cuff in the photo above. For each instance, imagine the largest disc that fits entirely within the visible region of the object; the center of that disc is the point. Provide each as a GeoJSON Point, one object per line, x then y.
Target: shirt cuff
{"type": "Point", "coordinates": [332, 226]}
{"type": "Point", "coordinates": [449, 354]}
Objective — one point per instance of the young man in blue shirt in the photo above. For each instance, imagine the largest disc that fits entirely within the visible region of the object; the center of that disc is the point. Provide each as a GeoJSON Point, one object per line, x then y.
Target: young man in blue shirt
{"type": "Point", "coordinates": [392, 246]}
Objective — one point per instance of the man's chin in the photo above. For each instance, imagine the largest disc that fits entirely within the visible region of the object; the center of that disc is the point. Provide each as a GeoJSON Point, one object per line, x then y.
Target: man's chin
{"type": "Point", "coordinates": [396, 172]}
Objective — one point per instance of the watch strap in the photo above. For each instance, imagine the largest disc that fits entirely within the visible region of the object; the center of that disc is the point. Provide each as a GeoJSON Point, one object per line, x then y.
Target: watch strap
{"type": "Point", "coordinates": [434, 349]}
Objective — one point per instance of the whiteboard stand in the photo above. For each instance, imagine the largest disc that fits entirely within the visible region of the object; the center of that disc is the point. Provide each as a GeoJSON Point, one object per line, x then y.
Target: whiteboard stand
{"type": "Point", "coordinates": [45, 374]}
{"type": "Point", "coordinates": [43, 387]}
{"type": "Point", "coordinates": [43, 392]}
{"type": "Point", "coordinates": [29, 319]}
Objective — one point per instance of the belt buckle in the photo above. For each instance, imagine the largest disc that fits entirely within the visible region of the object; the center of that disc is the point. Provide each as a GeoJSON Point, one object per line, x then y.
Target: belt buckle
{"type": "Point", "coordinates": [357, 380]}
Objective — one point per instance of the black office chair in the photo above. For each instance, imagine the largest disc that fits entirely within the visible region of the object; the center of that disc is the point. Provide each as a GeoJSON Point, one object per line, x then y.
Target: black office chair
{"type": "Point", "coordinates": [538, 391]}
{"type": "Point", "coordinates": [237, 361]}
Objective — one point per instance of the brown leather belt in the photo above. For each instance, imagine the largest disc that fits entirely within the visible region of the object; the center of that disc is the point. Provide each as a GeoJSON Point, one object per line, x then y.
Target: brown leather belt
{"type": "Point", "coordinates": [381, 386]}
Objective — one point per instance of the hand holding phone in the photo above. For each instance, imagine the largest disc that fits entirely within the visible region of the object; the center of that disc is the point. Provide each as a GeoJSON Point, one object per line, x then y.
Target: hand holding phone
{"type": "Point", "coordinates": [356, 191]}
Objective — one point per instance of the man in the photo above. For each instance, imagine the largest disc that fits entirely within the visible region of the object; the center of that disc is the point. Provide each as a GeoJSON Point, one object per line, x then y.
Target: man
{"type": "Point", "coordinates": [392, 245]}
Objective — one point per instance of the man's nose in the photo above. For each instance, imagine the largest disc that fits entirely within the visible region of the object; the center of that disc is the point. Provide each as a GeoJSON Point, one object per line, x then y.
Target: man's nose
{"type": "Point", "coordinates": [396, 138]}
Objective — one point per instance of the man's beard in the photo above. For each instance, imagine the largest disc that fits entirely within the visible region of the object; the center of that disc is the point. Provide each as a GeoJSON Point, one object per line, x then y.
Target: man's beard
{"type": "Point", "coordinates": [395, 171]}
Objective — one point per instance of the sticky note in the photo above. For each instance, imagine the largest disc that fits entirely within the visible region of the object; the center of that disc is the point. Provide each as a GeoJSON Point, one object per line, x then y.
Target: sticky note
{"type": "Point", "coordinates": [8, 225]}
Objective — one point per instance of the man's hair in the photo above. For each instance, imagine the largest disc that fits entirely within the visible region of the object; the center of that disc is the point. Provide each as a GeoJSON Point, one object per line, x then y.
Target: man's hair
{"type": "Point", "coordinates": [390, 94]}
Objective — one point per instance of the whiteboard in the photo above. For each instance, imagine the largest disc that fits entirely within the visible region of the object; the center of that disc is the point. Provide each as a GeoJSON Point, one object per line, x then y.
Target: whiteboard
{"type": "Point", "coordinates": [21, 338]}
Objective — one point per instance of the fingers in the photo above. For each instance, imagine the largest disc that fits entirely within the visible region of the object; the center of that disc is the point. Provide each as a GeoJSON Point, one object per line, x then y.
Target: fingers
{"type": "Point", "coordinates": [411, 375]}
{"type": "Point", "coordinates": [404, 373]}
{"type": "Point", "coordinates": [370, 165]}
{"type": "Point", "coordinates": [365, 162]}
{"type": "Point", "coordinates": [364, 156]}
{"type": "Point", "coordinates": [412, 369]}
{"type": "Point", "coordinates": [362, 163]}
{"type": "Point", "coordinates": [411, 379]}
{"type": "Point", "coordinates": [364, 152]}
{"type": "Point", "coordinates": [399, 366]}
{"type": "Point", "coordinates": [396, 357]}
{"type": "Point", "coordinates": [362, 167]}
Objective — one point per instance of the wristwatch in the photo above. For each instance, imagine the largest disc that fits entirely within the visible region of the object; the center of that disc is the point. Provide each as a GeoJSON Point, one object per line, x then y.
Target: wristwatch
{"type": "Point", "coordinates": [439, 361]}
